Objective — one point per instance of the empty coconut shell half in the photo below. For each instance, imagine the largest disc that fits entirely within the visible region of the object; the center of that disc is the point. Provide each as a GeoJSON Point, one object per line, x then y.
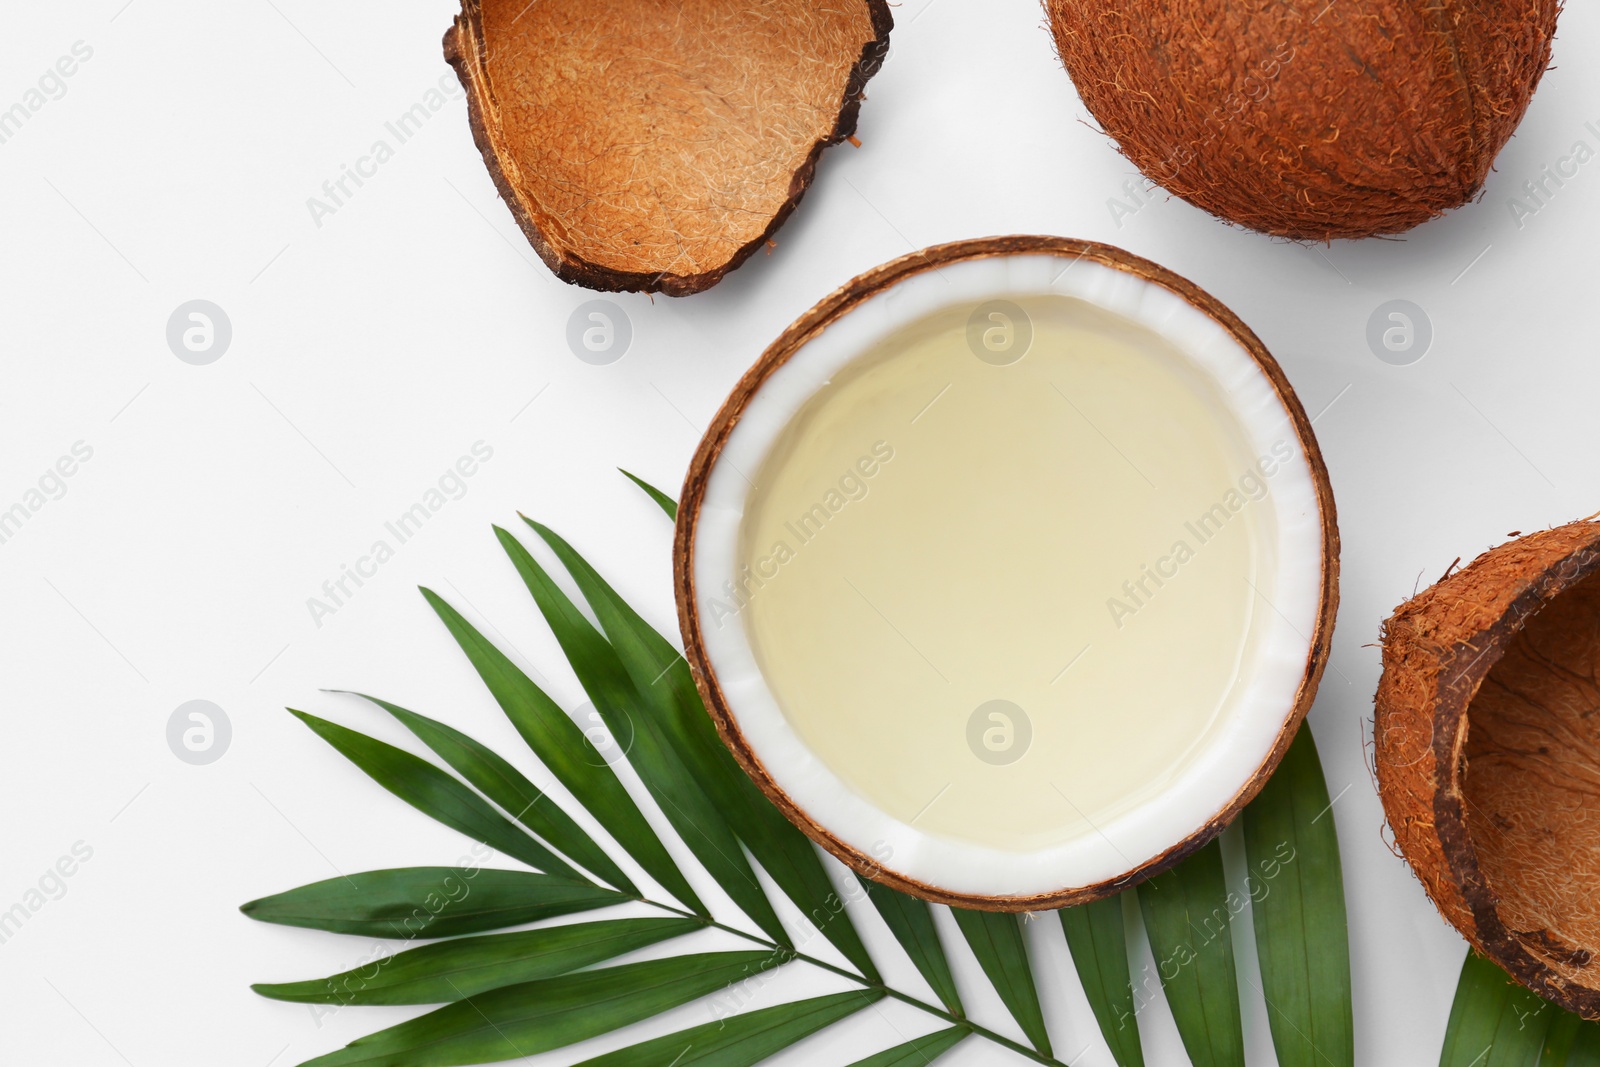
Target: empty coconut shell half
{"type": "Point", "coordinates": [653, 145]}
{"type": "Point", "coordinates": [1488, 755]}
{"type": "Point", "coordinates": [1309, 119]}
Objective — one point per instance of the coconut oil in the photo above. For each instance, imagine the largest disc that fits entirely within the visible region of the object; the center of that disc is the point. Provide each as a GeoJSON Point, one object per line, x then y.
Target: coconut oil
{"type": "Point", "coordinates": [1000, 572]}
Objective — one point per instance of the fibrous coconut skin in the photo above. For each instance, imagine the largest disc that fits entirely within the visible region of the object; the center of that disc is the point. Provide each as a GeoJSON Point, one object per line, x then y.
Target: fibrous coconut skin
{"type": "Point", "coordinates": [1488, 755]}
{"type": "Point", "coordinates": [1304, 118]}
{"type": "Point", "coordinates": [828, 310]}
{"type": "Point", "coordinates": [653, 145]}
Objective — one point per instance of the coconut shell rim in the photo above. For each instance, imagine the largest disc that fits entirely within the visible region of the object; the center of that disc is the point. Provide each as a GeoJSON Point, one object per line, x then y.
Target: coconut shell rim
{"type": "Point", "coordinates": [1454, 695]}
{"type": "Point", "coordinates": [464, 48]}
{"type": "Point", "coordinates": [840, 302]}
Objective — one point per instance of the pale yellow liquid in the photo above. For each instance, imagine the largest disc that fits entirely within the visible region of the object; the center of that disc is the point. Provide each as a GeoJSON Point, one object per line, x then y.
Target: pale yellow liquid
{"type": "Point", "coordinates": [977, 563]}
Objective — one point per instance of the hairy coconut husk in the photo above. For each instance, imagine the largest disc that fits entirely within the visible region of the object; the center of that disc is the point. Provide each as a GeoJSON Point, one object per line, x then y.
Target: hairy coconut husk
{"type": "Point", "coordinates": [1309, 119]}
{"type": "Point", "coordinates": [655, 144]}
{"type": "Point", "coordinates": [1488, 754]}
{"type": "Point", "coordinates": [840, 303]}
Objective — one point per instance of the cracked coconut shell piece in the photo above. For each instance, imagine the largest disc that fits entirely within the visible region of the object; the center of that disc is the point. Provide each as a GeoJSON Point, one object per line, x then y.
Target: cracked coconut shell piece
{"type": "Point", "coordinates": [653, 145]}
{"type": "Point", "coordinates": [1308, 119]}
{"type": "Point", "coordinates": [1488, 755]}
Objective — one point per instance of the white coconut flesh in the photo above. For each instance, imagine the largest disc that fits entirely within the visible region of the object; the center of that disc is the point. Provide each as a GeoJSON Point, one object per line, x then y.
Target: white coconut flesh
{"type": "Point", "coordinates": [1012, 626]}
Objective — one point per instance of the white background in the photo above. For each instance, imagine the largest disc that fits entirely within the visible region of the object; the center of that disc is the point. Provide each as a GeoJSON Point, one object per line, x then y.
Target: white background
{"type": "Point", "coordinates": [372, 351]}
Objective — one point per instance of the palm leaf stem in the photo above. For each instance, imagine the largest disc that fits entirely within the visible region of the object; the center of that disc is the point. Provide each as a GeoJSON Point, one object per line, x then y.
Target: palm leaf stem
{"type": "Point", "coordinates": [936, 1011]}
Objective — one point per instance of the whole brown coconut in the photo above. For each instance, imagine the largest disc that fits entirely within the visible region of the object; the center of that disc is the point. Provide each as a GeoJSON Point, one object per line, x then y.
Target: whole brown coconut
{"type": "Point", "coordinates": [1488, 753]}
{"type": "Point", "coordinates": [655, 144]}
{"type": "Point", "coordinates": [1309, 119]}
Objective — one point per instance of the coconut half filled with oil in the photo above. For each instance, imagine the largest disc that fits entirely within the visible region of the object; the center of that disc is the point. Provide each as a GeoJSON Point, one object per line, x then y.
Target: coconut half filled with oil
{"type": "Point", "coordinates": [1007, 583]}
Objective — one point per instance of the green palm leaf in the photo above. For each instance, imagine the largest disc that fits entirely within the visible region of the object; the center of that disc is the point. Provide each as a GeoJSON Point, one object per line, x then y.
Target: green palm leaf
{"type": "Point", "coordinates": [560, 746]}
{"type": "Point", "coordinates": [1297, 902]}
{"type": "Point", "coordinates": [911, 922]}
{"type": "Point", "coordinates": [524, 1020]}
{"type": "Point", "coordinates": [410, 902]}
{"type": "Point", "coordinates": [433, 792]}
{"type": "Point", "coordinates": [445, 971]}
{"type": "Point", "coordinates": [742, 1040]}
{"type": "Point", "coordinates": [508, 787]}
{"type": "Point", "coordinates": [661, 676]}
{"type": "Point", "coordinates": [667, 504]}
{"type": "Point", "coordinates": [996, 939]}
{"type": "Point", "coordinates": [1099, 942]}
{"type": "Point", "coordinates": [524, 992]}
{"type": "Point", "coordinates": [919, 1050]}
{"type": "Point", "coordinates": [1558, 1040]}
{"type": "Point", "coordinates": [1187, 914]}
{"type": "Point", "coordinates": [1571, 1042]}
{"type": "Point", "coordinates": [1494, 1022]}
{"type": "Point", "coordinates": [785, 853]}
{"type": "Point", "coordinates": [681, 799]}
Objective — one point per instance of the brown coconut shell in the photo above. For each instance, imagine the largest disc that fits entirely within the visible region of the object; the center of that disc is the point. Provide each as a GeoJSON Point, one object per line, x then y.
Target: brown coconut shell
{"type": "Point", "coordinates": [653, 146]}
{"type": "Point", "coordinates": [840, 303]}
{"type": "Point", "coordinates": [1309, 119]}
{"type": "Point", "coordinates": [1488, 755]}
